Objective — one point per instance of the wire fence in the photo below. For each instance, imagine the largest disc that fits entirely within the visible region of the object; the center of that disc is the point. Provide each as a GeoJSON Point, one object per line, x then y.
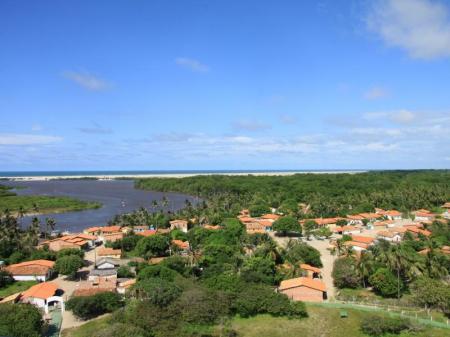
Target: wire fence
{"type": "Point", "coordinates": [419, 315]}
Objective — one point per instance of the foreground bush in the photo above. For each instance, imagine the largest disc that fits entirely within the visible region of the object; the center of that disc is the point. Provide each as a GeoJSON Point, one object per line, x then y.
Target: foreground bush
{"type": "Point", "coordinates": [380, 325]}
{"type": "Point", "coordinates": [20, 320]}
{"type": "Point", "coordinates": [92, 306]}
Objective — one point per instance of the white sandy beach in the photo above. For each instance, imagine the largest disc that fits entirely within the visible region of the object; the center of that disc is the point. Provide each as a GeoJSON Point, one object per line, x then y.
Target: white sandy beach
{"type": "Point", "coordinates": [168, 175]}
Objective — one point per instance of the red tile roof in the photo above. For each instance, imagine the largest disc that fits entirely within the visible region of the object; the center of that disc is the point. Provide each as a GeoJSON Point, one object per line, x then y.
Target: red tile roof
{"type": "Point", "coordinates": [41, 290]}
{"type": "Point", "coordinates": [35, 267]}
{"type": "Point", "coordinates": [303, 282]}
{"type": "Point", "coordinates": [362, 239]}
{"type": "Point", "coordinates": [305, 266]}
{"type": "Point", "coordinates": [148, 232]}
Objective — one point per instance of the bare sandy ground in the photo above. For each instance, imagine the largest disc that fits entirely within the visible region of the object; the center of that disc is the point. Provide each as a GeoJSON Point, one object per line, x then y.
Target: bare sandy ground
{"type": "Point", "coordinates": [170, 175]}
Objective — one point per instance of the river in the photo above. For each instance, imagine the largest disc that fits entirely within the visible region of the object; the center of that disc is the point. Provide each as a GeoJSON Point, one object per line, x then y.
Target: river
{"type": "Point", "coordinates": [116, 197]}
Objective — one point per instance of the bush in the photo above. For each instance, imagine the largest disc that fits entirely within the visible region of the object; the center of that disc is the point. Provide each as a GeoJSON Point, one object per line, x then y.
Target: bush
{"type": "Point", "coordinates": [92, 306]}
{"type": "Point", "coordinates": [125, 272]}
{"type": "Point", "coordinates": [157, 291]}
{"type": "Point", "coordinates": [345, 274]}
{"type": "Point", "coordinates": [158, 271]}
{"type": "Point", "coordinates": [20, 320]}
{"type": "Point", "coordinates": [384, 282]}
{"type": "Point", "coordinates": [287, 224]}
{"type": "Point", "coordinates": [69, 265]}
{"type": "Point", "coordinates": [380, 325]}
{"type": "Point", "coordinates": [431, 293]}
{"type": "Point", "coordinates": [70, 251]}
{"type": "Point", "coordinates": [5, 278]}
{"type": "Point", "coordinates": [155, 245]}
{"type": "Point", "coordinates": [258, 270]}
{"type": "Point", "coordinates": [175, 262]}
{"type": "Point", "coordinates": [301, 252]}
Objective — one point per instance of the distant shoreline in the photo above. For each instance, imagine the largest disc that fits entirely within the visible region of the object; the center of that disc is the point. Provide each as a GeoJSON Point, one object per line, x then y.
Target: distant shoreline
{"type": "Point", "coordinates": [15, 176]}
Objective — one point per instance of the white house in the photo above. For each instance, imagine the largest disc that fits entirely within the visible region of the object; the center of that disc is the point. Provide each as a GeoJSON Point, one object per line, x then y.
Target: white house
{"type": "Point", "coordinates": [36, 270]}
{"type": "Point", "coordinates": [179, 224]}
{"type": "Point", "coordinates": [43, 295]}
{"type": "Point", "coordinates": [389, 236]}
{"type": "Point", "coordinates": [107, 263]}
{"type": "Point", "coordinates": [393, 215]}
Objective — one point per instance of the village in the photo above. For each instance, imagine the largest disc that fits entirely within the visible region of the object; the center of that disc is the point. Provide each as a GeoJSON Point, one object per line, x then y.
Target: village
{"type": "Point", "coordinates": [103, 261]}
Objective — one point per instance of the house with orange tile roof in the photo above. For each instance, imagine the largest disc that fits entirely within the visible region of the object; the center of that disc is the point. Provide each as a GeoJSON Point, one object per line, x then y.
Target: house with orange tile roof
{"type": "Point", "coordinates": [109, 252]}
{"type": "Point", "coordinates": [182, 225]}
{"type": "Point", "coordinates": [393, 215]}
{"type": "Point", "coordinates": [181, 246]}
{"type": "Point", "coordinates": [124, 286]}
{"type": "Point", "coordinates": [355, 219]}
{"type": "Point", "coordinates": [311, 272]}
{"type": "Point", "coordinates": [212, 227]}
{"type": "Point", "coordinates": [356, 246]}
{"type": "Point", "coordinates": [304, 289]}
{"type": "Point", "coordinates": [423, 215]}
{"type": "Point", "coordinates": [147, 232]}
{"type": "Point", "coordinates": [43, 295]}
{"type": "Point", "coordinates": [446, 213]}
{"type": "Point", "coordinates": [270, 216]}
{"type": "Point", "coordinates": [112, 237]}
{"type": "Point", "coordinates": [74, 241]}
{"type": "Point", "coordinates": [36, 270]}
{"type": "Point", "coordinates": [416, 230]}
{"type": "Point", "coordinates": [389, 236]}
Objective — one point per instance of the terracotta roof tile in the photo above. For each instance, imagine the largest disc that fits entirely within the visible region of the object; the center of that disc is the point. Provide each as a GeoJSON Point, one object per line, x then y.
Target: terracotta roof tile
{"type": "Point", "coordinates": [41, 290]}
{"type": "Point", "coordinates": [303, 282]}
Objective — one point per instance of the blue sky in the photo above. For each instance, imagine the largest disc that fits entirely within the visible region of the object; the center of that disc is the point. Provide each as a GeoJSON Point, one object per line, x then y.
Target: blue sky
{"type": "Point", "coordinates": [173, 85]}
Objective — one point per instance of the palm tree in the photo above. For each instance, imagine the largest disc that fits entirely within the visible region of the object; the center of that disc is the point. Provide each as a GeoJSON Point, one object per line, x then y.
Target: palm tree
{"type": "Point", "coordinates": [397, 260]}
{"type": "Point", "coordinates": [50, 223]}
{"type": "Point", "coordinates": [364, 266]}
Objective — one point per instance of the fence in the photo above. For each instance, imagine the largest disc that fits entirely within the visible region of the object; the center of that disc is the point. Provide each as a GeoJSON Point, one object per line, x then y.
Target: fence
{"type": "Point", "coordinates": [419, 315]}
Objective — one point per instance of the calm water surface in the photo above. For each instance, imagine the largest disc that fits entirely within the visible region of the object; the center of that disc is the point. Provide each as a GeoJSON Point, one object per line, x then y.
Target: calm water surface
{"type": "Point", "coordinates": [116, 197]}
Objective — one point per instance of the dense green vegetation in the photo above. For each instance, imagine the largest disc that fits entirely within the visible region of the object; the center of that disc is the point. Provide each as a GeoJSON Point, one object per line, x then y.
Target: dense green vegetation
{"type": "Point", "coordinates": [327, 194]}
{"type": "Point", "coordinates": [93, 306]}
{"type": "Point", "coordinates": [393, 270]}
{"type": "Point", "coordinates": [23, 204]}
{"type": "Point", "coordinates": [20, 320]}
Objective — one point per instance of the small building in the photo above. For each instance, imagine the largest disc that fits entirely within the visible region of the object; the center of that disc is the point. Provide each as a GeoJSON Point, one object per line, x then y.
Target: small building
{"type": "Point", "coordinates": [102, 275]}
{"type": "Point", "coordinates": [212, 227]}
{"type": "Point", "coordinates": [107, 263]}
{"type": "Point", "coordinates": [389, 236]}
{"type": "Point", "coordinates": [139, 229]}
{"type": "Point", "coordinates": [43, 295]}
{"type": "Point", "coordinates": [182, 225]}
{"type": "Point", "coordinates": [147, 232]}
{"type": "Point", "coordinates": [311, 272]}
{"type": "Point", "coordinates": [304, 289]}
{"type": "Point", "coordinates": [393, 215]}
{"type": "Point", "coordinates": [446, 208]}
{"type": "Point", "coordinates": [270, 217]}
{"type": "Point", "coordinates": [182, 246]}
{"type": "Point", "coordinates": [36, 270]}
{"type": "Point", "coordinates": [355, 219]}
{"type": "Point", "coordinates": [74, 241]}
{"type": "Point", "coordinates": [112, 237]}
{"type": "Point", "coordinates": [124, 285]}
{"type": "Point", "coordinates": [109, 252]}
{"type": "Point", "coordinates": [423, 215]}
{"type": "Point", "coordinates": [356, 246]}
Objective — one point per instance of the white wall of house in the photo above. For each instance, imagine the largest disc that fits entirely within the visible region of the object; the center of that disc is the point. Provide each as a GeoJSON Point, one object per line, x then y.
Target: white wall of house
{"type": "Point", "coordinates": [106, 265]}
{"type": "Point", "coordinates": [41, 278]}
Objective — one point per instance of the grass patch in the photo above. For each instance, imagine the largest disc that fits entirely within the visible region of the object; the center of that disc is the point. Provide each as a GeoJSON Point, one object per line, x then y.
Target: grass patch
{"type": "Point", "coordinates": [45, 204]}
{"type": "Point", "coordinates": [321, 322]}
{"type": "Point", "coordinates": [87, 329]}
{"type": "Point", "coordinates": [16, 287]}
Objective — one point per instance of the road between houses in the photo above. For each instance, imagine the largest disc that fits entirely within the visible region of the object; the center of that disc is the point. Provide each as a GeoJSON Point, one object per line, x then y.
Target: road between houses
{"type": "Point", "coordinates": [325, 255]}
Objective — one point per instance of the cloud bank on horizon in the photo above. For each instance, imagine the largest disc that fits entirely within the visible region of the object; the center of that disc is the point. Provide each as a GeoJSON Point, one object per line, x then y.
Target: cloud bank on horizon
{"type": "Point", "coordinates": [226, 86]}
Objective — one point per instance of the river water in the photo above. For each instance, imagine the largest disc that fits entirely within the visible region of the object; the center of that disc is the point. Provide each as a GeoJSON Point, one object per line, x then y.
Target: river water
{"type": "Point", "coordinates": [116, 197]}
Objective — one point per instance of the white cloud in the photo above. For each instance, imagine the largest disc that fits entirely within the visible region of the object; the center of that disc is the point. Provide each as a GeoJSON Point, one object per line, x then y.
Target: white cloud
{"type": "Point", "coordinates": [375, 93]}
{"type": "Point", "coordinates": [27, 139]}
{"type": "Point", "coordinates": [87, 80]}
{"type": "Point", "coordinates": [399, 116]}
{"type": "Point", "coordinates": [250, 125]}
{"type": "Point", "coordinates": [191, 64]}
{"type": "Point", "coordinates": [421, 27]}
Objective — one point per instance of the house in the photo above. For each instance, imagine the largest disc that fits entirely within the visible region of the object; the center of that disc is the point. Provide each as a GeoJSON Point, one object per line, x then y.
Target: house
{"type": "Point", "coordinates": [363, 239]}
{"type": "Point", "coordinates": [43, 295]}
{"type": "Point", "coordinates": [254, 227]}
{"type": "Point", "coordinates": [311, 272]}
{"type": "Point", "coordinates": [140, 229]}
{"type": "Point", "coordinates": [416, 230]}
{"type": "Point", "coordinates": [110, 252]}
{"type": "Point", "coordinates": [182, 225]}
{"type": "Point", "coordinates": [74, 241]}
{"type": "Point", "coordinates": [356, 246]}
{"type": "Point", "coordinates": [392, 215]}
{"type": "Point", "coordinates": [124, 285]}
{"type": "Point", "coordinates": [270, 217]}
{"type": "Point", "coordinates": [92, 230]}
{"type": "Point", "coordinates": [182, 246]}
{"type": "Point", "coordinates": [245, 219]}
{"type": "Point", "coordinates": [370, 217]}
{"type": "Point", "coordinates": [107, 263]}
{"type": "Point", "coordinates": [446, 213]}
{"type": "Point", "coordinates": [36, 270]}
{"type": "Point", "coordinates": [304, 289]}
{"type": "Point", "coordinates": [347, 230]}
{"type": "Point", "coordinates": [389, 236]}
{"type": "Point", "coordinates": [423, 215]}
{"type": "Point", "coordinates": [98, 276]}
{"type": "Point", "coordinates": [355, 219]}
{"type": "Point", "coordinates": [266, 225]}
{"type": "Point", "coordinates": [147, 232]}
{"type": "Point", "coordinates": [112, 237]}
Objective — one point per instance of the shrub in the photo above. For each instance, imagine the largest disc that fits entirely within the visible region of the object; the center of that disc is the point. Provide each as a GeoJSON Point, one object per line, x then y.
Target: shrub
{"type": "Point", "coordinates": [124, 271]}
{"type": "Point", "coordinates": [345, 274]}
{"type": "Point", "coordinates": [20, 320]}
{"type": "Point", "coordinates": [155, 245]}
{"type": "Point", "coordinates": [5, 278]}
{"type": "Point", "coordinates": [157, 291]}
{"type": "Point", "coordinates": [379, 325]}
{"type": "Point", "coordinates": [158, 271]}
{"type": "Point", "coordinates": [92, 306]}
{"type": "Point", "coordinates": [70, 251]}
{"type": "Point", "coordinates": [301, 252]}
{"type": "Point", "coordinates": [384, 282]}
{"type": "Point", "coordinates": [287, 224]}
{"type": "Point", "coordinates": [68, 265]}
{"type": "Point", "coordinates": [175, 262]}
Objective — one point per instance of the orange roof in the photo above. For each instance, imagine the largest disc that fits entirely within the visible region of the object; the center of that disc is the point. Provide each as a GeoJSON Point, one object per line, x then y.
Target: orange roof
{"type": "Point", "coordinates": [128, 283]}
{"type": "Point", "coordinates": [92, 229]}
{"type": "Point", "coordinates": [265, 223]}
{"type": "Point", "coordinates": [392, 213]}
{"type": "Point", "coordinates": [305, 266]}
{"type": "Point", "coordinates": [181, 244]}
{"type": "Point", "coordinates": [179, 222]}
{"type": "Point", "coordinates": [148, 232]}
{"type": "Point", "coordinates": [110, 229]}
{"type": "Point", "coordinates": [362, 239]}
{"type": "Point", "coordinates": [35, 267]}
{"type": "Point", "coordinates": [398, 229]}
{"type": "Point", "coordinates": [387, 234]}
{"type": "Point", "coordinates": [270, 216]}
{"type": "Point", "coordinates": [216, 227]}
{"type": "Point", "coordinates": [246, 219]}
{"type": "Point", "coordinates": [80, 292]}
{"type": "Point", "coordinates": [369, 215]}
{"type": "Point", "coordinates": [356, 244]}
{"type": "Point", "coordinates": [446, 205]}
{"type": "Point", "coordinates": [109, 251]}
{"type": "Point", "coordinates": [303, 282]}
{"type": "Point", "coordinates": [424, 214]}
{"type": "Point", "coordinates": [41, 290]}
{"type": "Point", "coordinates": [355, 217]}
